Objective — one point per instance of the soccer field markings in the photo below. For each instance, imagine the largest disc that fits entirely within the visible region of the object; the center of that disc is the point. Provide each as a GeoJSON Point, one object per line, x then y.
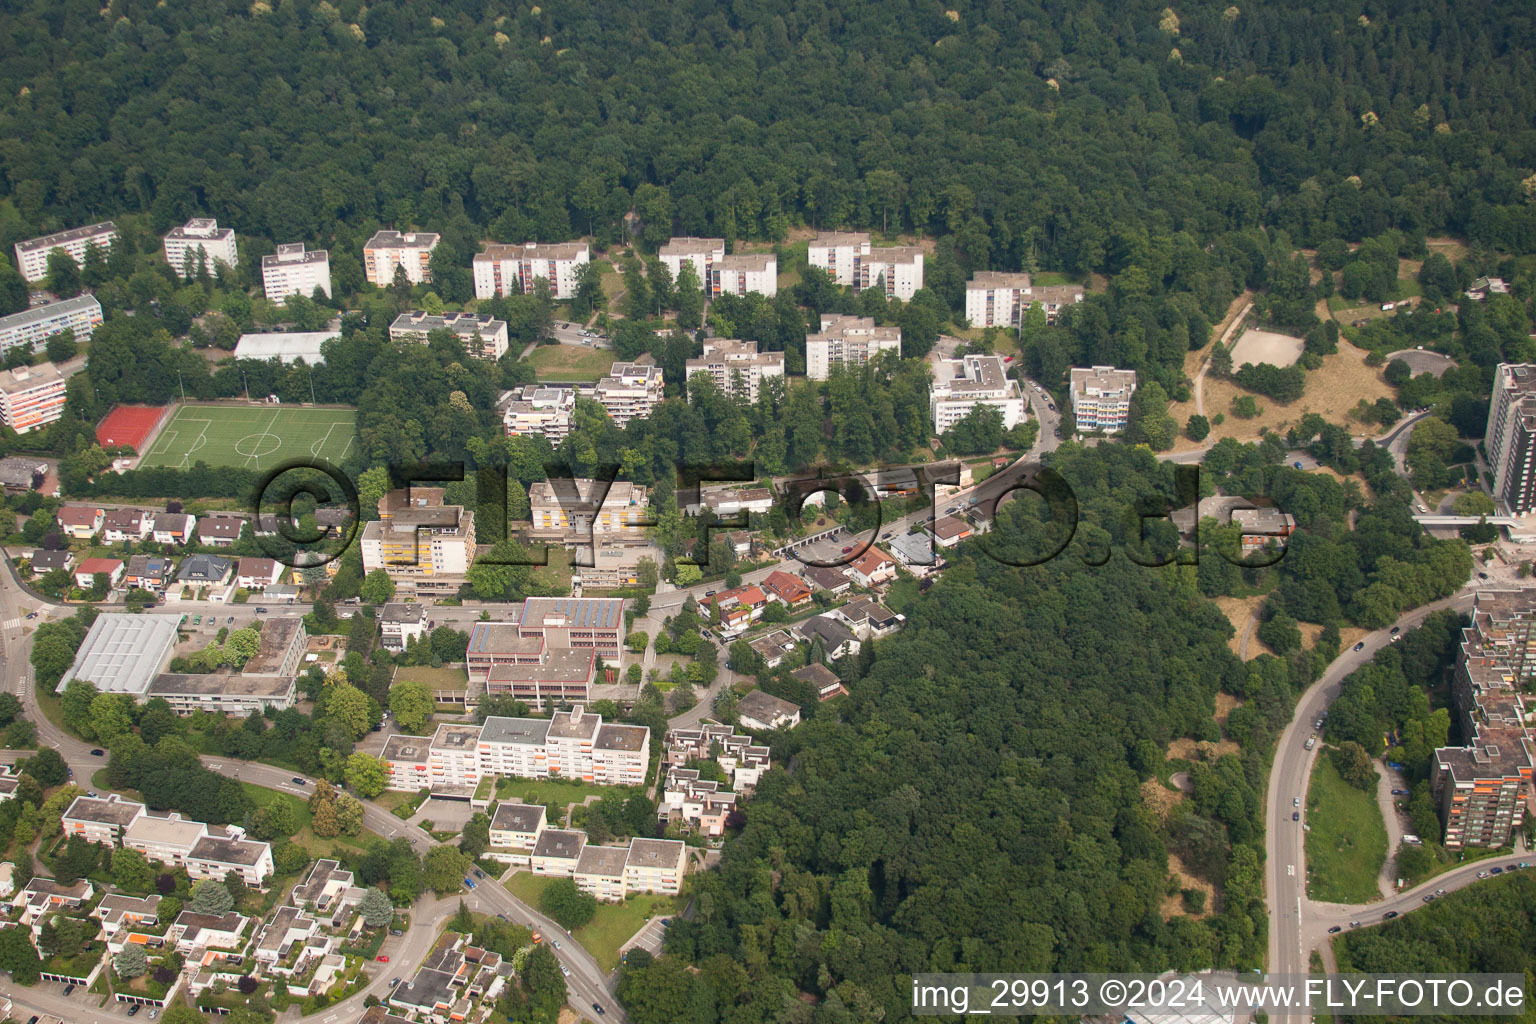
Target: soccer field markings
{"type": "Point", "coordinates": [198, 444]}
{"type": "Point", "coordinates": [265, 431]}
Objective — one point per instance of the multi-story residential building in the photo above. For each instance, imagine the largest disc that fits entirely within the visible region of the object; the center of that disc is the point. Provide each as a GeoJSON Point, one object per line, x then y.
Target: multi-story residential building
{"type": "Point", "coordinates": [401, 622]}
{"type": "Point", "coordinates": [281, 648]}
{"type": "Point", "coordinates": [427, 551]}
{"type": "Point", "coordinates": [515, 827]}
{"type": "Point", "coordinates": [556, 852]}
{"type": "Point", "coordinates": [621, 755]}
{"type": "Point", "coordinates": [31, 397]}
{"type": "Point", "coordinates": [80, 522]}
{"type": "Point", "coordinates": [851, 261]}
{"type": "Point", "coordinates": [1483, 787]}
{"type": "Point", "coordinates": [1000, 299]}
{"type": "Point", "coordinates": [172, 527]}
{"type": "Point", "coordinates": [101, 819]}
{"type": "Point", "coordinates": [513, 269]}
{"type": "Point", "coordinates": [568, 744]}
{"type": "Point", "coordinates": [32, 327]}
{"type": "Point", "coordinates": [616, 565]}
{"type": "Point", "coordinates": [848, 341]}
{"type": "Point", "coordinates": [1101, 398]}
{"type": "Point", "coordinates": [741, 273]}
{"type": "Point", "coordinates": [960, 385]}
{"type": "Point", "coordinates": [294, 271]}
{"type": "Point", "coordinates": [599, 871]}
{"type": "Point", "coordinates": [129, 920]}
{"type": "Point", "coordinates": [655, 865]}
{"type": "Point", "coordinates": [838, 253]}
{"type": "Point", "coordinates": [630, 391]}
{"type": "Point", "coordinates": [387, 250]}
{"type": "Point", "coordinates": [695, 803]}
{"type": "Point", "coordinates": [580, 511]}
{"type": "Point", "coordinates": [32, 254]}
{"type": "Point", "coordinates": [42, 896]}
{"type": "Point", "coordinates": [700, 253]}
{"type": "Point", "coordinates": [483, 335]}
{"type": "Point", "coordinates": [192, 931]}
{"type": "Point", "coordinates": [514, 747]}
{"type": "Point", "coordinates": [453, 759]}
{"type": "Point", "coordinates": [200, 241]}
{"type": "Point", "coordinates": [167, 840]}
{"type": "Point", "coordinates": [539, 409]}
{"type": "Point", "coordinates": [215, 856]}
{"type": "Point", "coordinates": [407, 760]}
{"type": "Point", "coordinates": [737, 367]}
{"type": "Point", "coordinates": [1508, 438]}
{"type": "Point", "coordinates": [237, 694]}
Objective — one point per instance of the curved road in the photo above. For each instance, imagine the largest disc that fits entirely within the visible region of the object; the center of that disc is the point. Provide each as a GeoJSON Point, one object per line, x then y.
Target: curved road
{"type": "Point", "coordinates": [588, 982]}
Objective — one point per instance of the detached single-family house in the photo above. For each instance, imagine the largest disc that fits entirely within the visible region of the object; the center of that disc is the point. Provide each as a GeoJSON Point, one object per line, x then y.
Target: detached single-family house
{"type": "Point", "coordinates": [950, 530]}
{"type": "Point", "coordinates": [824, 679]}
{"type": "Point", "coordinates": [868, 619]}
{"type": "Point", "coordinates": [872, 568]}
{"type": "Point", "coordinates": [790, 591]}
{"type": "Point", "coordinates": [85, 572]}
{"type": "Point", "coordinates": [205, 570]}
{"type": "Point", "coordinates": [258, 573]}
{"type": "Point", "coordinates": [148, 572]}
{"type": "Point", "coordinates": [173, 527]}
{"type": "Point", "coordinates": [125, 524]}
{"type": "Point", "coordinates": [80, 522]}
{"type": "Point", "coordinates": [836, 639]}
{"type": "Point", "coordinates": [774, 648]}
{"type": "Point", "coordinates": [763, 711]}
{"type": "Point", "coordinates": [44, 560]}
{"type": "Point", "coordinates": [826, 578]}
{"type": "Point", "coordinates": [739, 608]}
{"type": "Point", "coordinates": [219, 531]}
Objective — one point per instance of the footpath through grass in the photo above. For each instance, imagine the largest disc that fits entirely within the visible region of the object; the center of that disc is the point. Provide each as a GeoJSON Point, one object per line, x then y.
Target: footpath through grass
{"type": "Point", "coordinates": [610, 928]}
{"type": "Point", "coordinates": [1348, 842]}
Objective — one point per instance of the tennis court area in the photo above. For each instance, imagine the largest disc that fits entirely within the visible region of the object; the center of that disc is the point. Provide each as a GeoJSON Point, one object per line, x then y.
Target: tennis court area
{"type": "Point", "coordinates": [251, 437]}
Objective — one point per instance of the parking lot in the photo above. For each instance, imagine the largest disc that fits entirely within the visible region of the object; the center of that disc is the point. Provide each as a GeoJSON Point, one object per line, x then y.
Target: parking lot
{"type": "Point", "coordinates": [567, 333]}
{"type": "Point", "coordinates": [649, 938]}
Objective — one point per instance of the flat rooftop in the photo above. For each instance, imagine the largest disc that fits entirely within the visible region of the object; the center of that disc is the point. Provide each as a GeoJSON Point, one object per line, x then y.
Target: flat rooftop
{"type": "Point", "coordinates": [502, 638]}
{"type": "Point", "coordinates": [621, 737]}
{"type": "Point", "coordinates": [277, 637]}
{"type": "Point", "coordinates": [654, 853]}
{"type": "Point", "coordinates": [106, 811]}
{"type": "Point", "coordinates": [520, 731]}
{"type": "Point", "coordinates": [400, 747]}
{"type": "Point", "coordinates": [122, 652]}
{"type": "Point", "coordinates": [178, 684]}
{"type": "Point", "coordinates": [456, 736]}
{"type": "Point", "coordinates": [244, 852]}
{"type": "Point", "coordinates": [576, 612]}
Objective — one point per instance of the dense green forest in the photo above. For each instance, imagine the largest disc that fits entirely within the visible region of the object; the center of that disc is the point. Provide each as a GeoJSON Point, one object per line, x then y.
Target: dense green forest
{"type": "Point", "coordinates": [1485, 928]}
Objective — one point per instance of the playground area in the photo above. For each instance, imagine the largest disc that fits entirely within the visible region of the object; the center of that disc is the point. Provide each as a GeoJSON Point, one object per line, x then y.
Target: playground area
{"type": "Point", "coordinates": [251, 437]}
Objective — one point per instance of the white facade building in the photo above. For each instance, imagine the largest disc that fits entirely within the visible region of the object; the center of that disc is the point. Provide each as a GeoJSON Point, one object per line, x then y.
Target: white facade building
{"type": "Point", "coordinates": [1101, 398]}
{"type": "Point", "coordinates": [701, 253]}
{"type": "Point", "coordinates": [31, 396]}
{"type": "Point", "coordinates": [32, 254]}
{"type": "Point", "coordinates": [200, 234]}
{"type": "Point", "coordinates": [836, 252]}
{"type": "Point", "coordinates": [513, 269]}
{"type": "Point", "coordinates": [81, 314]}
{"type": "Point", "coordinates": [851, 261]}
{"type": "Point", "coordinates": [743, 273]}
{"type": "Point", "coordinates": [630, 391]}
{"type": "Point", "coordinates": [540, 409]}
{"type": "Point", "coordinates": [737, 367]}
{"type": "Point", "coordinates": [482, 335]}
{"type": "Point", "coordinates": [294, 271]}
{"type": "Point", "coordinates": [387, 250]}
{"type": "Point", "coordinates": [960, 385]}
{"type": "Point", "coordinates": [848, 341]}
{"type": "Point", "coordinates": [1000, 299]}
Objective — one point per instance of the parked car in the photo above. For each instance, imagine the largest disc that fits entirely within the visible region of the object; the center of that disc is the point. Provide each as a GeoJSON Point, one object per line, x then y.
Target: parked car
{"type": "Point", "coordinates": [382, 959]}
{"type": "Point", "coordinates": [1396, 630]}
{"type": "Point", "coordinates": [1422, 510]}
{"type": "Point", "coordinates": [565, 970]}
{"type": "Point", "coordinates": [1295, 801]}
{"type": "Point", "coordinates": [846, 550]}
{"type": "Point", "coordinates": [469, 881]}
{"type": "Point", "coordinates": [298, 781]}
{"type": "Point", "coordinates": [1317, 724]}
{"type": "Point", "coordinates": [1439, 892]}
{"type": "Point", "coordinates": [479, 873]}
{"type": "Point", "coordinates": [1389, 915]}
{"type": "Point", "coordinates": [555, 943]}
{"type": "Point", "coordinates": [1295, 465]}
{"type": "Point", "coordinates": [885, 536]}
{"type": "Point", "coordinates": [1354, 924]}
{"type": "Point", "coordinates": [133, 1010]}
{"type": "Point", "coordinates": [1429, 897]}
{"type": "Point", "coordinates": [98, 752]}
{"type": "Point", "coordinates": [1360, 646]}
{"type": "Point", "coordinates": [1335, 930]}
{"type": "Point", "coordinates": [502, 916]}
{"type": "Point", "coordinates": [1295, 815]}
{"type": "Point", "coordinates": [393, 982]}
{"type": "Point", "coordinates": [396, 931]}
{"type": "Point", "coordinates": [1482, 874]}
{"type": "Point", "coordinates": [1495, 871]}
{"type": "Point", "coordinates": [229, 620]}
{"type": "Point", "coordinates": [1401, 792]}
{"type": "Point", "coordinates": [261, 611]}
{"type": "Point", "coordinates": [1482, 575]}
{"type": "Point", "coordinates": [69, 990]}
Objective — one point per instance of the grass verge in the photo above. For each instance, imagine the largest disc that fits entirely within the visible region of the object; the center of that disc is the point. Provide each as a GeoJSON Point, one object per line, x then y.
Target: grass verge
{"type": "Point", "coordinates": [613, 923]}
{"type": "Point", "coordinates": [1348, 841]}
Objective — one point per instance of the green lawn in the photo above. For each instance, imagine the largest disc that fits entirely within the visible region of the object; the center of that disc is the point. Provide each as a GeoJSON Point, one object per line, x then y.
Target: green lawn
{"type": "Point", "coordinates": [261, 796]}
{"type": "Point", "coordinates": [1348, 841]}
{"type": "Point", "coordinates": [251, 437]}
{"type": "Point", "coordinates": [437, 678]}
{"type": "Point", "coordinates": [613, 924]}
{"type": "Point", "coordinates": [570, 362]}
{"type": "Point", "coordinates": [546, 791]}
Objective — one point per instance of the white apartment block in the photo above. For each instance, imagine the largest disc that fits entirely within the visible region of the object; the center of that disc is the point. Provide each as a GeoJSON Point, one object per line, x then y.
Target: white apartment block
{"type": "Point", "coordinates": [960, 385]}
{"type": "Point", "coordinates": [655, 865]}
{"type": "Point", "coordinates": [401, 622]}
{"type": "Point", "coordinates": [294, 271]}
{"type": "Point", "coordinates": [898, 270]}
{"type": "Point", "coordinates": [167, 840]}
{"type": "Point", "coordinates": [513, 269]}
{"type": "Point", "coordinates": [1000, 299]}
{"type": "Point", "coordinates": [745, 272]}
{"type": "Point", "coordinates": [701, 253]}
{"type": "Point", "coordinates": [216, 856]}
{"type": "Point", "coordinates": [81, 314]}
{"type": "Point", "coordinates": [387, 250]}
{"type": "Point", "coordinates": [737, 367]}
{"type": "Point", "coordinates": [31, 396]}
{"type": "Point", "coordinates": [848, 341]}
{"type": "Point", "coordinates": [539, 409]}
{"type": "Point", "coordinates": [851, 261]}
{"type": "Point", "coordinates": [483, 335]}
{"type": "Point", "coordinates": [453, 761]}
{"type": "Point", "coordinates": [32, 254]}
{"type": "Point", "coordinates": [630, 391]}
{"type": "Point", "coordinates": [100, 819]}
{"type": "Point", "coordinates": [599, 872]}
{"type": "Point", "coordinates": [1101, 398]}
{"type": "Point", "coordinates": [515, 827]}
{"type": "Point", "coordinates": [572, 514]}
{"type": "Point", "coordinates": [200, 235]}
{"type": "Point", "coordinates": [407, 761]}
{"type": "Point", "coordinates": [426, 551]}
{"type": "Point", "coordinates": [557, 851]}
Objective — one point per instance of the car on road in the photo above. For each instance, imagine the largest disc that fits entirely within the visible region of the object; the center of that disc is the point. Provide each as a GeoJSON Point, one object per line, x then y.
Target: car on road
{"type": "Point", "coordinates": [1429, 897]}
{"type": "Point", "coordinates": [1295, 815]}
{"type": "Point", "coordinates": [479, 873]}
{"type": "Point", "coordinates": [1495, 871]}
{"type": "Point", "coordinates": [261, 611]}
{"type": "Point", "coordinates": [1482, 575]}
{"type": "Point", "coordinates": [565, 970]}
{"type": "Point", "coordinates": [1402, 792]}
{"type": "Point", "coordinates": [885, 536]}
{"type": "Point", "coordinates": [298, 781]}
{"type": "Point", "coordinates": [198, 621]}
{"type": "Point", "coordinates": [33, 1020]}
{"type": "Point", "coordinates": [229, 620]}
{"type": "Point", "coordinates": [98, 752]}
{"type": "Point", "coordinates": [469, 881]}
{"type": "Point", "coordinates": [1360, 646]}
{"type": "Point", "coordinates": [1396, 630]}
{"type": "Point", "coordinates": [382, 959]}
{"type": "Point", "coordinates": [599, 1008]}
{"type": "Point", "coordinates": [1482, 874]}
{"type": "Point", "coordinates": [393, 982]}
{"type": "Point", "coordinates": [1354, 924]}
{"type": "Point", "coordinates": [1295, 801]}
{"type": "Point", "coordinates": [1335, 930]}
{"type": "Point", "coordinates": [1051, 406]}
{"type": "Point", "coordinates": [1296, 465]}
{"type": "Point", "coordinates": [31, 615]}
{"type": "Point", "coordinates": [1439, 892]}
{"type": "Point", "coordinates": [555, 943]}
{"type": "Point", "coordinates": [846, 550]}
{"type": "Point", "coordinates": [502, 916]}
{"type": "Point", "coordinates": [1389, 915]}
{"type": "Point", "coordinates": [1317, 724]}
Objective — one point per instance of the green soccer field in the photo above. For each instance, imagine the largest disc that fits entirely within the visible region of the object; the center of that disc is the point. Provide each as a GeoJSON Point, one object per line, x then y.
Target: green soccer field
{"type": "Point", "coordinates": [252, 437]}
